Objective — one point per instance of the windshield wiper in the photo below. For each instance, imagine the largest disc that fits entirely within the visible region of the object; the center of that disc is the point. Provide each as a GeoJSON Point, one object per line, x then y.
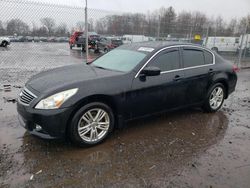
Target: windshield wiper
{"type": "Point", "coordinates": [100, 67]}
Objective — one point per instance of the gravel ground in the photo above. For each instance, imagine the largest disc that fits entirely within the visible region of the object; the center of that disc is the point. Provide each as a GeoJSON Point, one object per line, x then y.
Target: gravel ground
{"type": "Point", "coordinates": [186, 148]}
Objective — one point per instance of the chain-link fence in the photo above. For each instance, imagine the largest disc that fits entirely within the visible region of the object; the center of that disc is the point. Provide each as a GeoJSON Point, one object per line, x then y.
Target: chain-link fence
{"type": "Point", "coordinates": [39, 34]}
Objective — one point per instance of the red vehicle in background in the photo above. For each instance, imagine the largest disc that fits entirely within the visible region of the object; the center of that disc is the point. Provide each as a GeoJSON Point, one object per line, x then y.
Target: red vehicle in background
{"type": "Point", "coordinates": [78, 39]}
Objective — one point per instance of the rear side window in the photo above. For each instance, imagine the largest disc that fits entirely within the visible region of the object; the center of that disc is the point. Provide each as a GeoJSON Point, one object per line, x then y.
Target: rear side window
{"type": "Point", "coordinates": [168, 60]}
{"type": "Point", "coordinates": [193, 57]}
{"type": "Point", "coordinates": [208, 57]}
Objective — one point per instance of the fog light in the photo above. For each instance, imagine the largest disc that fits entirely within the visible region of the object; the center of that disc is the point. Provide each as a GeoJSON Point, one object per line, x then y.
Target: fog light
{"type": "Point", "coordinates": [38, 128]}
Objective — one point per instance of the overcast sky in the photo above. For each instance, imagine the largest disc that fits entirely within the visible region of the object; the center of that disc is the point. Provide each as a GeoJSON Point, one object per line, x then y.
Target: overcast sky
{"type": "Point", "coordinates": [32, 13]}
{"type": "Point", "coordinates": [225, 8]}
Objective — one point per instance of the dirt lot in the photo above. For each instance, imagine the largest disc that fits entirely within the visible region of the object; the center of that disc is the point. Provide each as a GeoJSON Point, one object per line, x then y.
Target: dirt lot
{"type": "Point", "coordinates": [187, 148]}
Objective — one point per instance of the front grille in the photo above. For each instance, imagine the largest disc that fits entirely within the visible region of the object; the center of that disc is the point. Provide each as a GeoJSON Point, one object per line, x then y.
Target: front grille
{"type": "Point", "coordinates": [26, 97]}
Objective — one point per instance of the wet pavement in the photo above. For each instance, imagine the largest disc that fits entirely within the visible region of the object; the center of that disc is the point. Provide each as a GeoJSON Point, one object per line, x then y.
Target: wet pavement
{"type": "Point", "coordinates": [186, 148]}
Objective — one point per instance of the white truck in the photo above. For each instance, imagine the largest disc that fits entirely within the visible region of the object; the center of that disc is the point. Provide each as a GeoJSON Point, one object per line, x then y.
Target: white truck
{"type": "Point", "coordinates": [126, 39]}
{"type": "Point", "coordinates": [4, 41]}
{"type": "Point", "coordinates": [222, 44]}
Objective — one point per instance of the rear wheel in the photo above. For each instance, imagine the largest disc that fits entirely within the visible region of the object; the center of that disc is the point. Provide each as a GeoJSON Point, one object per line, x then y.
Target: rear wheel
{"type": "Point", "coordinates": [91, 124]}
{"type": "Point", "coordinates": [215, 98]}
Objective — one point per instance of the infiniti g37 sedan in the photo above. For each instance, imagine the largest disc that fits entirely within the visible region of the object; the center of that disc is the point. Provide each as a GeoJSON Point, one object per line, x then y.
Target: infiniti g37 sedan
{"type": "Point", "coordinates": [86, 102]}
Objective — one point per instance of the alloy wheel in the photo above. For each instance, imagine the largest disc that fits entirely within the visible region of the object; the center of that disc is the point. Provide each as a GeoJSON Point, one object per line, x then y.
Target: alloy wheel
{"type": "Point", "coordinates": [93, 125]}
{"type": "Point", "coordinates": [216, 98]}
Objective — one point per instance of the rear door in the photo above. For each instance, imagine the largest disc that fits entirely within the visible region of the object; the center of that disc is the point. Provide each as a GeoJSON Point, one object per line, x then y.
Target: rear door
{"type": "Point", "coordinates": [198, 67]}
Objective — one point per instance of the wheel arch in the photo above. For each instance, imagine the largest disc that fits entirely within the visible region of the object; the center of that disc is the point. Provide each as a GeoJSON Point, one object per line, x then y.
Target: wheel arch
{"type": "Point", "coordinates": [106, 99]}
{"type": "Point", "coordinates": [224, 82]}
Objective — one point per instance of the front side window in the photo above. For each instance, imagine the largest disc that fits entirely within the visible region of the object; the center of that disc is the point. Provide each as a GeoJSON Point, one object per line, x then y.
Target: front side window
{"type": "Point", "coordinates": [167, 60]}
{"type": "Point", "coordinates": [193, 57]}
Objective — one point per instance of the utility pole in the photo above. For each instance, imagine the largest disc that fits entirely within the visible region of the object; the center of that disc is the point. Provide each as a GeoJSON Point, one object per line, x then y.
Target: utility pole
{"type": "Point", "coordinates": [159, 27]}
{"type": "Point", "coordinates": [86, 31]}
{"type": "Point", "coordinates": [207, 33]}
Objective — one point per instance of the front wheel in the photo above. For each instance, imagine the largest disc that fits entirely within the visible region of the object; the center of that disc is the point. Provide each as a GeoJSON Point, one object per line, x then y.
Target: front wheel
{"type": "Point", "coordinates": [91, 124]}
{"type": "Point", "coordinates": [215, 98]}
{"type": "Point", "coordinates": [4, 44]}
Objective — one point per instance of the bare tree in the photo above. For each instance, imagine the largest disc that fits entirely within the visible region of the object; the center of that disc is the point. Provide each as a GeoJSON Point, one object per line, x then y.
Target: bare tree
{"type": "Point", "coordinates": [2, 30]}
{"type": "Point", "coordinates": [231, 29]}
{"type": "Point", "coordinates": [49, 23]}
{"type": "Point", "coordinates": [184, 23]}
{"type": "Point", "coordinates": [101, 26]}
{"type": "Point", "coordinates": [80, 26]}
{"type": "Point", "coordinates": [244, 24]}
{"type": "Point", "coordinates": [61, 30]}
{"type": "Point", "coordinates": [219, 24]}
{"type": "Point", "coordinates": [17, 26]}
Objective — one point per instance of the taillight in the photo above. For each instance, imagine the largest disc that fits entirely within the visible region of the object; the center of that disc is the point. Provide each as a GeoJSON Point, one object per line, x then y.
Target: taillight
{"type": "Point", "coordinates": [236, 68]}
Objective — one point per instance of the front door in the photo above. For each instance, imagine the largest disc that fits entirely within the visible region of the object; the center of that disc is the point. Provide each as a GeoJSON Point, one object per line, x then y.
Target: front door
{"type": "Point", "coordinates": [159, 93]}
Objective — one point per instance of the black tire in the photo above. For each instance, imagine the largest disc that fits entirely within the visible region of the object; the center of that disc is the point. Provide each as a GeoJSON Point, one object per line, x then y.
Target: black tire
{"type": "Point", "coordinates": [97, 51]}
{"type": "Point", "coordinates": [106, 50]}
{"type": "Point", "coordinates": [207, 106]}
{"type": "Point", "coordinates": [73, 127]}
{"type": "Point", "coordinates": [4, 44]}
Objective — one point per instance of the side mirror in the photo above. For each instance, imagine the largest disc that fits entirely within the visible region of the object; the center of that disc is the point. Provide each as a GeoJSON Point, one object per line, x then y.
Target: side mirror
{"type": "Point", "coordinates": [151, 71]}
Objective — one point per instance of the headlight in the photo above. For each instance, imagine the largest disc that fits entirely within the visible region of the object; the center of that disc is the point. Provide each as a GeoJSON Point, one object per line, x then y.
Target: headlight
{"type": "Point", "coordinates": [55, 101]}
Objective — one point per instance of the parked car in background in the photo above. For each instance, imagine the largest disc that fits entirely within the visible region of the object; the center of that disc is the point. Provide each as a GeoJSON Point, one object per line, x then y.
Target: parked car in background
{"type": "Point", "coordinates": [20, 39]}
{"type": "Point", "coordinates": [127, 39]}
{"type": "Point", "coordinates": [4, 41]}
{"type": "Point", "coordinates": [36, 39]}
{"type": "Point", "coordinates": [222, 44]}
{"type": "Point", "coordinates": [12, 38]}
{"type": "Point", "coordinates": [43, 39]}
{"type": "Point", "coordinates": [62, 39]}
{"type": "Point", "coordinates": [52, 39]}
{"type": "Point", "coordinates": [109, 43]}
{"type": "Point", "coordinates": [129, 82]}
{"type": "Point", "coordinates": [78, 39]}
{"type": "Point", "coordinates": [28, 38]}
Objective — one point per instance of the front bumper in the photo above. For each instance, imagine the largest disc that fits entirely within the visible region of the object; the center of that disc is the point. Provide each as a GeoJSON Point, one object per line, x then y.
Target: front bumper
{"type": "Point", "coordinates": [53, 123]}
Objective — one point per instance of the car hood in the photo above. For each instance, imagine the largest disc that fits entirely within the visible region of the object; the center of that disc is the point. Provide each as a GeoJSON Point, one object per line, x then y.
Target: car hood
{"type": "Point", "coordinates": [68, 76]}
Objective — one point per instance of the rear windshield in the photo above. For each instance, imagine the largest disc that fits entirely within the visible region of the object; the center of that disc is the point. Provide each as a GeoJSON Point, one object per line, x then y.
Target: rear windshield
{"type": "Point", "coordinates": [116, 42]}
{"type": "Point", "coordinates": [119, 60]}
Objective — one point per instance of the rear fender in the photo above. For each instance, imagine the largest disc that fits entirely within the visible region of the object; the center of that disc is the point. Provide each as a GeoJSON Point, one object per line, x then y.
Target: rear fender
{"type": "Point", "coordinates": [219, 78]}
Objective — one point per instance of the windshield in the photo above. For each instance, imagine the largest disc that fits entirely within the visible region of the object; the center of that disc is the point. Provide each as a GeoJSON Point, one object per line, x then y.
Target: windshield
{"type": "Point", "coordinates": [119, 60]}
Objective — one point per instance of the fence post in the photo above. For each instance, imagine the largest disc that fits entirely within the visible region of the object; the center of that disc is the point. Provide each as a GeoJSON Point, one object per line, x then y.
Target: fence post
{"type": "Point", "coordinates": [159, 27]}
{"type": "Point", "coordinates": [86, 31]}
{"type": "Point", "coordinates": [207, 33]}
{"type": "Point", "coordinates": [241, 46]}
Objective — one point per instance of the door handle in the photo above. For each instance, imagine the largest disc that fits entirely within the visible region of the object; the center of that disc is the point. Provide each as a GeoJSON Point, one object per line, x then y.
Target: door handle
{"type": "Point", "coordinates": [177, 78]}
{"type": "Point", "coordinates": [210, 70]}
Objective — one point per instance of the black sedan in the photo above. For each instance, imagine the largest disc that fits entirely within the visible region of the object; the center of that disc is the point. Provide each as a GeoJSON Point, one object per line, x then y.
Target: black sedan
{"type": "Point", "coordinates": [86, 102]}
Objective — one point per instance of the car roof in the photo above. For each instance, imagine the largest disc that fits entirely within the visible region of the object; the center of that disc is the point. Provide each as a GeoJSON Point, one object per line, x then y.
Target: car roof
{"type": "Point", "coordinates": [154, 45]}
